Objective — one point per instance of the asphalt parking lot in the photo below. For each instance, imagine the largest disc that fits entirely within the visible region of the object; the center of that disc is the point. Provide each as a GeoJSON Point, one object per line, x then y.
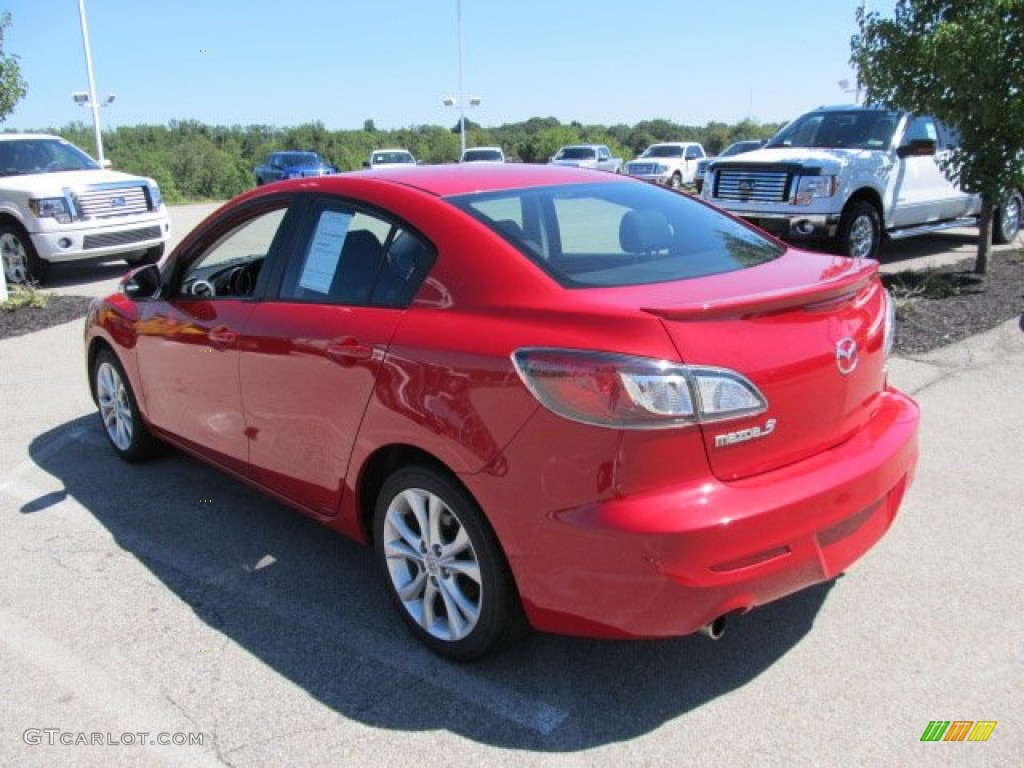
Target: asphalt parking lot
{"type": "Point", "coordinates": [167, 602]}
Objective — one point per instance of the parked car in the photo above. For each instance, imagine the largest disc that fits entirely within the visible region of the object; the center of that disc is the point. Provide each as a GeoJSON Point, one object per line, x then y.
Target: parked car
{"type": "Point", "coordinates": [851, 176]}
{"type": "Point", "coordinates": [292, 165]}
{"type": "Point", "coordinates": [483, 155]}
{"type": "Point", "coordinates": [594, 156]}
{"type": "Point", "coordinates": [387, 158]}
{"type": "Point", "coordinates": [671, 163]}
{"type": "Point", "coordinates": [644, 415]}
{"type": "Point", "coordinates": [57, 205]}
{"type": "Point", "coordinates": [736, 148]}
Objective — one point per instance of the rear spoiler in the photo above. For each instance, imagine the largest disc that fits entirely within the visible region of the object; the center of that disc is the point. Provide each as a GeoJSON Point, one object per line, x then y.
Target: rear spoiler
{"type": "Point", "coordinates": [830, 290]}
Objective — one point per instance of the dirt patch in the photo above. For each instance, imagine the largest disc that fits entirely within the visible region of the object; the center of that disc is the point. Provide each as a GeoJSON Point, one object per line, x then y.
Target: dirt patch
{"type": "Point", "coordinates": [942, 305]}
{"type": "Point", "coordinates": [28, 319]}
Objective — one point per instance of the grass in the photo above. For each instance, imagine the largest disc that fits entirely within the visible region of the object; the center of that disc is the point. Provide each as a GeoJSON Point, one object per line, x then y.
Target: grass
{"type": "Point", "coordinates": [21, 296]}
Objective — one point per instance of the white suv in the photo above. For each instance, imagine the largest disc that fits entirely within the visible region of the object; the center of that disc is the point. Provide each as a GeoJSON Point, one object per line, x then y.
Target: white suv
{"type": "Point", "coordinates": [57, 204]}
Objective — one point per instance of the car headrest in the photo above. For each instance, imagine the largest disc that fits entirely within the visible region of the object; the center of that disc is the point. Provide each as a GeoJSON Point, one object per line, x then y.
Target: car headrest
{"type": "Point", "coordinates": [644, 231]}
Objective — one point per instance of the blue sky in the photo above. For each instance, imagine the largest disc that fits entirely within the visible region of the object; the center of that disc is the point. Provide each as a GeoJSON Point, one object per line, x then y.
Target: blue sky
{"type": "Point", "coordinates": [340, 62]}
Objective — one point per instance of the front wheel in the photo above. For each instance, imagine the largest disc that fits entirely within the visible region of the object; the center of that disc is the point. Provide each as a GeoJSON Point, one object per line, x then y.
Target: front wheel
{"type": "Point", "coordinates": [443, 565]}
{"type": "Point", "coordinates": [119, 411]}
{"type": "Point", "coordinates": [675, 180]}
{"type": "Point", "coordinates": [21, 262]}
{"type": "Point", "coordinates": [1006, 224]}
{"type": "Point", "coordinates": [860, 231]}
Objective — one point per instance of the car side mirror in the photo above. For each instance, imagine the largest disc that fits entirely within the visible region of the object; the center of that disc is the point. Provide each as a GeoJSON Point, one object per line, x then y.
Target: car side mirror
{"type": "Point", "coordinates": [142, 283]}
{"type": "Point", "coordinates": [917, 148]}
{"type": "Point", "coordinates": [366, 163]}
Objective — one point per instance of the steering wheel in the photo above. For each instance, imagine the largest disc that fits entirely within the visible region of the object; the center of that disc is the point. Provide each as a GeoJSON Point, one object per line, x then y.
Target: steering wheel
{"type": "Point", "coordinates": [202, 288]}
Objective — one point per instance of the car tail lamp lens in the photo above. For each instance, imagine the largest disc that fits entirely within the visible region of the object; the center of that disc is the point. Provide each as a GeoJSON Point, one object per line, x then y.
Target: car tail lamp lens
{"type": "Point", "coordinates": [627, 392]}
{"type": "Point", "coordinates": [890, 324]}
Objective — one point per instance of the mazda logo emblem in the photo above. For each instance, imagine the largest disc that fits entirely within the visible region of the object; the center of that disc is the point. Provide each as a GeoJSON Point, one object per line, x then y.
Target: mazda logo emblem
{"type": "Point", "coordinates": [846, 356]}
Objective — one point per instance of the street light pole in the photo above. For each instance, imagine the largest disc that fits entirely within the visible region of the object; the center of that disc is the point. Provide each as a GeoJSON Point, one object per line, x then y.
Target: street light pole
{"type": "Point", "coordinates": [462, 87]}
{"type": "Point", "coordinates": [93, 102]}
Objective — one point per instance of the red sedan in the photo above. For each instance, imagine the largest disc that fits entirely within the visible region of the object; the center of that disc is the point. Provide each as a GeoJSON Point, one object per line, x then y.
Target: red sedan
{"type": "Point", "coordinates": [547, 397]}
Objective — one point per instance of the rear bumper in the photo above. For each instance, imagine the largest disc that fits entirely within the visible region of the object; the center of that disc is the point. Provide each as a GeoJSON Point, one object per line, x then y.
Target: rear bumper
{"type": "Point", "coordinates": [668, 562]}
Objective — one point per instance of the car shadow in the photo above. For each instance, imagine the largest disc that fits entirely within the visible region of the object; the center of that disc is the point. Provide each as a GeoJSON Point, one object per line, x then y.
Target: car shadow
{"type": "Point", "coordinates": [309, 604]}
{"type": "Point", "coordinates": [74, 273]}
{"type": "Point", "coordinates": [938, 244]}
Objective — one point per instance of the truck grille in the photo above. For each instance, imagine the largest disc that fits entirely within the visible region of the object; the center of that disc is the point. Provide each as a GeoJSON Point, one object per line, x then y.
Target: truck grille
{"type": "Point", "coordinates": [120, 238]}
{"type": "Point", "coordinates": [642, 169]}
{"type": "Point", "coordinates": [103, 202]}
{"type": "Point", "coordinates": [751, 184]}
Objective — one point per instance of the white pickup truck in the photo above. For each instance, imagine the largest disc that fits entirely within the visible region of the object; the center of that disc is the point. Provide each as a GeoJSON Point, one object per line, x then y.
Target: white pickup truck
{"type": "Point", "coordinates": [595, 156]}
{"type": "Point", "coordinates": [853, 175]}
{"type": "Point", "coordinates": [57, 204]}
{"type": "Point", "coordinates": [672, 163]}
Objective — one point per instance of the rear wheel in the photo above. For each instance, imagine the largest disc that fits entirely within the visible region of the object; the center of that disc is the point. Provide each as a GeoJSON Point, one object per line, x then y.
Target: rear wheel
{"type": "Point", "coordinates": [1006, 224]}
{"type": "Point", "coordinates": [21, 262]}
{"type": "Point", "coordinates": [443, 565]}
{"type": "Point", "coordinates": [860, 231]}
{"type": "Point", "coordinates": [119, 411]}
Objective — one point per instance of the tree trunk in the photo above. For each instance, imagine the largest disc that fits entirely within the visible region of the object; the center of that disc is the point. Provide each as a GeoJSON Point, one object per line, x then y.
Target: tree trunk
{"type": "Point", "coordinates": [984, 236]}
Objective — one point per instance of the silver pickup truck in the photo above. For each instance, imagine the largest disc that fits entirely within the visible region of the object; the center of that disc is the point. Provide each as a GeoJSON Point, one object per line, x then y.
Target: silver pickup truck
{"type": "Point", "coordinates": [853, 175]}
{"type": "Point", "coordinates": [595, 156]}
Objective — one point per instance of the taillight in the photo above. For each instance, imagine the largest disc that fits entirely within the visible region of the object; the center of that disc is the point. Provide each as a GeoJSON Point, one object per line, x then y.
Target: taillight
{"type": "Point", "coordinates": [890, 324]}
{"type": "Point", "coordinates": [627, 392]}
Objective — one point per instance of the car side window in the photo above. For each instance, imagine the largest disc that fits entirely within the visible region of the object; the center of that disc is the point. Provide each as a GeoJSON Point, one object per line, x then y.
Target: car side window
{"type": "Point", "coordinates": [358, 259]}
{"type": "Point", "coordinates": [921, 128]}
{"type": "Point", "coordinates": [230, 265]}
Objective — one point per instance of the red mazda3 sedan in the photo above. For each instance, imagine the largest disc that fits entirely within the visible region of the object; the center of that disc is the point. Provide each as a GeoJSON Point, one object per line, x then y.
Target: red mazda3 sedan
{"type": "Point", "coordinates": [547, 397]}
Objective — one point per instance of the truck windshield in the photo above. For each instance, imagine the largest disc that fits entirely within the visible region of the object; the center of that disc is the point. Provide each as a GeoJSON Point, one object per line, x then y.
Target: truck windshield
{"type": "Point", "coordinates": [576, 153]}
{"type": "Point", "coordinates": [299, 158]}
{"type": "Point", "coordinates": [849, 129]}
{"type": "Point", "coordinates": [662, 150]}
{"type": "Point", "coordinates": [19, 157]}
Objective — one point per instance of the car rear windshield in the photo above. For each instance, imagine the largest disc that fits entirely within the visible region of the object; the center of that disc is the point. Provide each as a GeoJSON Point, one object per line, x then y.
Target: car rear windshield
{"type": "Point", "coordinates": [618, 234]}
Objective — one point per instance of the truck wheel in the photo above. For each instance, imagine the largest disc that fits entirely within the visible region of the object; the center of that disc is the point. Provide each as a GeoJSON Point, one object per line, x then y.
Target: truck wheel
{"type": "Point", "coordinates": [860, 232]}
{"type": "Point", "coordinates": [21, 262]}
{"type": "Point", "coordinates": [675, 181]}
{"type": "Point", "coordinates": [1006, 223]}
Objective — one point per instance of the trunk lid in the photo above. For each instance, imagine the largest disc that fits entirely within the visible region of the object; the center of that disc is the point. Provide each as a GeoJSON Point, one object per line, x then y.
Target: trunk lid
{"type": "Point", "coordinates": [808, 331]}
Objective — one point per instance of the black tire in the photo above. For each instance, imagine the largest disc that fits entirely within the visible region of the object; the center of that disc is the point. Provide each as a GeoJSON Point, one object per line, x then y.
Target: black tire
{"type": "Point", "coordinates": [860, 231]}
{"type": "Point", "coordinates": [149, 256]}
{"type": "Point", "coordinates": [428, 576]}
{"type": "Point", "coordinates": [675, 181]}
{"type": "Point", "coordinates": [21, 262]}
{"type": "Point", "coordinates": [119, 412]}
{"type": "Point", "coordinates": [1006, 221]}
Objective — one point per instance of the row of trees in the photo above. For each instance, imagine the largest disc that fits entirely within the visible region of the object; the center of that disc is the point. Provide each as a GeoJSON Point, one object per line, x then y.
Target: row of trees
{"type": "Point", "coordinates": [194, 161]}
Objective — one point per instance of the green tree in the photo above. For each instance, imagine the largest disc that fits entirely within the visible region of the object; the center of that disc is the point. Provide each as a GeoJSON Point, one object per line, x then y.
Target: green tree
{"type": "Point", "coordinates": [12, 87]}
{"type": "Point", "coordinates": [962, 61]}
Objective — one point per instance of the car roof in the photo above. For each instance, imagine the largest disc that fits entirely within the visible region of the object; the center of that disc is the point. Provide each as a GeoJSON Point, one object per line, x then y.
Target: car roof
{"type": "Point", "coordinates": [458, 179]}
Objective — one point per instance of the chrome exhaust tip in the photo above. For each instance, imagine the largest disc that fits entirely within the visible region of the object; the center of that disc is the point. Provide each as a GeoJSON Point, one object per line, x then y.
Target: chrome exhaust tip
{"type": "Point", "coordinates": [714, 629]}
